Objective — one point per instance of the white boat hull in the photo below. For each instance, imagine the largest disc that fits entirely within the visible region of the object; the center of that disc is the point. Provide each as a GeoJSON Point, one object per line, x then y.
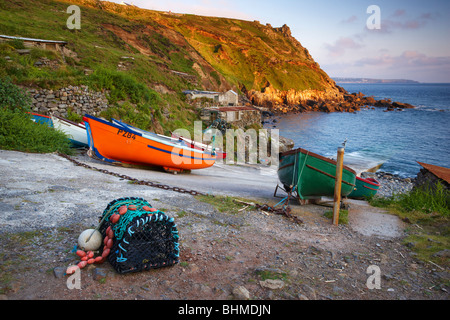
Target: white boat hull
{"type": "Point", "coordinates": [75, 131]}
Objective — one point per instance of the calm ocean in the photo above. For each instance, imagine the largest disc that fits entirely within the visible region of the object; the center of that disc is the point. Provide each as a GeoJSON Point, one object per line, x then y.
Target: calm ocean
{"type": "Point", "coordinates": [398, 139]}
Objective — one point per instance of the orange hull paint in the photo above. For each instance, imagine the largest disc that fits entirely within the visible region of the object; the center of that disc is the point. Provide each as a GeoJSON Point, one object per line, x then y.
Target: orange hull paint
{"type": "Point", "coordinates": [112, 142]}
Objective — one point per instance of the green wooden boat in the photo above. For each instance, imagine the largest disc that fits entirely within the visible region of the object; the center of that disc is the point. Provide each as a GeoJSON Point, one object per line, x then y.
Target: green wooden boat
{"type": "Point", "coordinates": [311, 175]}
{"type": "Point", "coordinates": [365, 187]}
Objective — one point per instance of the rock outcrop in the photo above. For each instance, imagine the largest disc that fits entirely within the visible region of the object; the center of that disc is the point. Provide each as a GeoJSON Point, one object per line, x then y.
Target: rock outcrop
{"type": "Point", "coordinates": [293, 100]}
{"type": "Point", "coordinates": [332, 99]}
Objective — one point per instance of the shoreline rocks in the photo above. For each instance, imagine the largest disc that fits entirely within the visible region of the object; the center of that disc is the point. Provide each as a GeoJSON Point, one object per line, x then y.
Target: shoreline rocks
{"type": "Point", "coordinates": [390, 184]}
{"type": "Point", "coordinates": [329, 100]}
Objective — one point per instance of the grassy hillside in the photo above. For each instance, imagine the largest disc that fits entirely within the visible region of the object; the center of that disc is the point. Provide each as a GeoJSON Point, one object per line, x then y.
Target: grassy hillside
{"type": "Point", "coordinates": [146, 58]}
{"type": "Point", "coordinates": [148, 86]}
{"type": "Point", "coordinates": [247, 53]}
{"type": "Point", "coordinates": [250, 54]}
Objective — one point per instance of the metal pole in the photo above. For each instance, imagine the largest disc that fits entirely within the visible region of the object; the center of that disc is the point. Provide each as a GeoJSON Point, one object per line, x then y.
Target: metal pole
{"type": "Point", "coordinates": [337, 185]}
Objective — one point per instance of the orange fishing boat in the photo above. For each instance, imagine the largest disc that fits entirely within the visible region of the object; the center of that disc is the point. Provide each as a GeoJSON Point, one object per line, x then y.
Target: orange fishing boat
{"type": "Point", "coordinates": [112, 142]}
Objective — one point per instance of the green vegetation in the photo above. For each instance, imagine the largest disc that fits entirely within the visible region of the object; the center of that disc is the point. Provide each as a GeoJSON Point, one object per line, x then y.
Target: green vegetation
{"type": "Point", "coordinates": [223, 203]}
{"type": "Point", "coordinates": [144, 59]}
{"type": "Point", "coordinates": [272, 274]}
{"type": "Point", "coordinates": [12, 97]}
{"type": "Point", "coordinates": [99, 48]}
{"type": "Point", "coordinates": [18, 132]}
{"type": "Point", "coordinates": [343, 216]}
{"type": "Point", "coordinates": [122, 86]}
{"type": "Point", "coordinates": [427, 210]}
{"type": "Point", "coordinates": [248, 53]}
{"type": "Point", "coordinates": [420, 204]}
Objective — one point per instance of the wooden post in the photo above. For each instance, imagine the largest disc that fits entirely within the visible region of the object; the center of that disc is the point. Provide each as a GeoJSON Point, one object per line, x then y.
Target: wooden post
{"type": "Point", "coordinates": [337, 185]}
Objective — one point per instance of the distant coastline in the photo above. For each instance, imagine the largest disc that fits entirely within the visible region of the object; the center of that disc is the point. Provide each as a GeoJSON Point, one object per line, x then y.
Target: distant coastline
{"type": "Point", "coordinates": [369, 80]}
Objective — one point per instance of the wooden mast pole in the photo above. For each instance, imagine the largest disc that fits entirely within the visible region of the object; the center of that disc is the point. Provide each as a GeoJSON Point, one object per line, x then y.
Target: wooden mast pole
{"type": "Point", "coordinates": [337, 185]}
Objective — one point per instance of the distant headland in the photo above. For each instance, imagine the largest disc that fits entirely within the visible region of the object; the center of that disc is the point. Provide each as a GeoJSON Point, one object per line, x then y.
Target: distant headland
{"type": "Point", "coordinates": [369, 80]}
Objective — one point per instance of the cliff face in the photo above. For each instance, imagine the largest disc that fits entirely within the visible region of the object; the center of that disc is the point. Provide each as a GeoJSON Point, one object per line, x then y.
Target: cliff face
{"type": "Point", "coordinates": [266, 63]}
{"type": "Point", "coordinates": [171, 52]}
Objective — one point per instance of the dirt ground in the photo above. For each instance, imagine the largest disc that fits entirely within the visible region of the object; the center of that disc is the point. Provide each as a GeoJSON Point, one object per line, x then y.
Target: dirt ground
{"type": "Point", "coordinates": [247, 255]}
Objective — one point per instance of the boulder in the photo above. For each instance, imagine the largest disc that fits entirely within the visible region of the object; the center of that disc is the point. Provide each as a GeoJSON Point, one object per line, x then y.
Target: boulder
{"type": "Point", "coordinates": [286, 144]}
{"type": "Point", "coordinates": [241, 293]}
{"type": "Point", "coordinates": [402, 105]}
{"type": "Point", "coordinates": [272, 284]}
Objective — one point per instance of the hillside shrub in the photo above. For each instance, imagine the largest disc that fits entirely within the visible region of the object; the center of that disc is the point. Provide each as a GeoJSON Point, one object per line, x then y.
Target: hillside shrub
{"type": "Point", "coordinates": [122, 86]}
{"type": "Point", "coordinates": [18, 132]}
{"type": "Point", "coordinates": [12, 97]}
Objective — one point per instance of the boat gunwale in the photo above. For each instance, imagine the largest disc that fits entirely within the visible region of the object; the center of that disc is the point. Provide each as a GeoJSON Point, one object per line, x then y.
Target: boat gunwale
{"type": "Point", "coordinates": [304, 151]}
{"type": "Point", "coordinates": [111, 124]}
{"type": "Point", "coordinates": [70, 122]}
{"type": "Point", "coordinates": [39, 115]}
{"type": "Point", "coordinates": [366, 180]}
{"type": "Point", "coordinates": [370, 188]}
{"type": "Point", "coordinates": [195, 144]}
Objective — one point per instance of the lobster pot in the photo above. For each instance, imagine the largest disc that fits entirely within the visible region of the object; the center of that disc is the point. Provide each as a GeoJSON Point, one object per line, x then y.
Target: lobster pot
{"type": "Point", "coordinates": [144, 237]}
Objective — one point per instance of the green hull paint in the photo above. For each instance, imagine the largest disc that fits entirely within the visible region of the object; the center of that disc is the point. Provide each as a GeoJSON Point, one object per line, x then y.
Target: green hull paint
{"type": "Point", "coordinates": [312, 175]}
{"type": "Point", "coordinates": [365, 188]}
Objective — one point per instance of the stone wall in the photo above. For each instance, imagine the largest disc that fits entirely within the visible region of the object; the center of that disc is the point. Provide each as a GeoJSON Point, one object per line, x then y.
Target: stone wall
{"type": "Point", "coordinates": [79, 99]}
{"type": "Point", "coordinates": [239, 116]}
{"type": "Point", "coordinates": [245, 117]}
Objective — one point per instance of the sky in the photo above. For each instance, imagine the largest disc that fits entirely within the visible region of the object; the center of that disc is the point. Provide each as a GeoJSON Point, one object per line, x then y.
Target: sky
{"type": "Point", "coordinates": [396, 39]}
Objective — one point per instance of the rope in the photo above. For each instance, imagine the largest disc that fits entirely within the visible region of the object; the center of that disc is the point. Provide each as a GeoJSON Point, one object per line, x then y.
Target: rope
{"type": "Point", "coordinates": [280, 202]}
{"type": "Point", "coordinates": [293, 171]}
{"type": "Point", "coordinates": [300, 176]}
{"type": "Point", "coordinates": [120, 227]}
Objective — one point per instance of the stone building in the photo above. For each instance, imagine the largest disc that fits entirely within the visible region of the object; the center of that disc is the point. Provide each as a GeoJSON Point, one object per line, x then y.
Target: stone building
{"type": "Point", "coordinates": [229, 98]}
{"type": "Point", "coordinates": [239, 116]}
{"type": "Point", "coordinates": [37, 43]}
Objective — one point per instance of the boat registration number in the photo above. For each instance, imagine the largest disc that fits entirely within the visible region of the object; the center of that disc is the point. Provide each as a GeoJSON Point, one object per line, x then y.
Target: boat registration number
{"type": "Point", "coordinates": [126, 134]}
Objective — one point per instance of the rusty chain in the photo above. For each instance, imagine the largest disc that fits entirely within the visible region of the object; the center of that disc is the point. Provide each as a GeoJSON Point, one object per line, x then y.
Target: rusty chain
{"type": "Point", "coordinates": [286, 211]}
{"type": "Point", "coordinates": [133, 180]}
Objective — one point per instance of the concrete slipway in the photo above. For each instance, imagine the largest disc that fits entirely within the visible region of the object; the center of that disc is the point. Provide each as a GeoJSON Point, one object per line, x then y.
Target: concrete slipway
{"type": "Point", "coordinates": [46, 191]}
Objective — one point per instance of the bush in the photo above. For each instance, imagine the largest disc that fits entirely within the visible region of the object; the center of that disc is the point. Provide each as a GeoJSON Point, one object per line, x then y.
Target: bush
{"type": "Point", "coordinates": [427, 200]}
{"type": "Point", "coordinates": [12, 97]}
{"type": "Point", "coordinates": [420, 203]}
{"type": "Point", "coordinates": [122, 87]}
{"type": "Point", "coordinates": [18, 132]}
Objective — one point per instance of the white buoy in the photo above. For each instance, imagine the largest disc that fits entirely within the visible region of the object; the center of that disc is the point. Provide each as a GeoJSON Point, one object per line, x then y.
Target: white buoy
{"type": "Point", "coordinates": [90, 240]}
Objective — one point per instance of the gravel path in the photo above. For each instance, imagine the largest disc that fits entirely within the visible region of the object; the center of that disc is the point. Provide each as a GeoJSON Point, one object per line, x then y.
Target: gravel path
{"type": "Point", "coordinates": [46, 202]}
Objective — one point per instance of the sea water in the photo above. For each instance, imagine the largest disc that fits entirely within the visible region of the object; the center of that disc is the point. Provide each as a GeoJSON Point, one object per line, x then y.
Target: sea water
{"type": "Point", "coordinates": [395, 139]}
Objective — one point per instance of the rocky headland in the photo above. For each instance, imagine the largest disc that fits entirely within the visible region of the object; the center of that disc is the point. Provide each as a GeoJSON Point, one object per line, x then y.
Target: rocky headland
{"type": "Point", "coordinates": [332, 99]}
